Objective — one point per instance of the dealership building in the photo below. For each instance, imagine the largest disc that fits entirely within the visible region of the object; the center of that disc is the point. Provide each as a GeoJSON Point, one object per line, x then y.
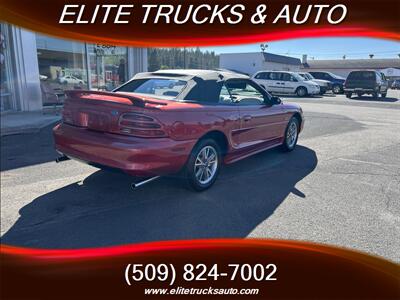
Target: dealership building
{"type": "Point", "coordinates": [253, 62]}
{"type": "Point", "coordinates": [37, 69]}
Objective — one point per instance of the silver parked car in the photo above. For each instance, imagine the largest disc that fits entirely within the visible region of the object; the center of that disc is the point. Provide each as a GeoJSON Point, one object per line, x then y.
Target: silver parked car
{"type": "Point", "coordinates": [324, 85]}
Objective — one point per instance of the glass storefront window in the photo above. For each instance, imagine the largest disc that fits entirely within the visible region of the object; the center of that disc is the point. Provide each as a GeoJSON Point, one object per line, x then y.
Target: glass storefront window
{"type": "Point", "coordinates": [36, 69]}
{"type": "Point", "coordinates": [62, 66]}
{"type": "Point", "coordinates": [108, 66]}
{"type": "Point", "coordinates": [6, 94]}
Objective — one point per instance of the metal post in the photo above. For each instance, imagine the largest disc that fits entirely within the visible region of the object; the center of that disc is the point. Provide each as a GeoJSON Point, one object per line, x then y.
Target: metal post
{"type": "Point", "coordinates": [88, 71]}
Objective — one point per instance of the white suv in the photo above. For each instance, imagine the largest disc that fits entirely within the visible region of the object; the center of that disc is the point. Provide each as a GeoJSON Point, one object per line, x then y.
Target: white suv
{"type": "Point", "coordinates": [282, 82]}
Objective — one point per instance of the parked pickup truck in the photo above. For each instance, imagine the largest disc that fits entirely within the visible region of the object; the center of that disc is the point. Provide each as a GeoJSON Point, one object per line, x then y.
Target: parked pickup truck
{"type": "Point", "coordinates": [366, 82]}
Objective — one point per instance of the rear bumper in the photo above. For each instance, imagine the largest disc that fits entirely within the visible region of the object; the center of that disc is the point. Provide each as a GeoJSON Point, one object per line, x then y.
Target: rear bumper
{"type": "Point", "coordinates": [359, 90]}
{"type": "Point", "coordinates": [133, 155]}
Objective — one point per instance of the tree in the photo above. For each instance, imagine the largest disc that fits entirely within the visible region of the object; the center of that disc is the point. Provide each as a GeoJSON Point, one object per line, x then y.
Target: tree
{"type": "Point", "coordinates": [154, 63]}
{"type": "Point", "coordinates": [174, 58]}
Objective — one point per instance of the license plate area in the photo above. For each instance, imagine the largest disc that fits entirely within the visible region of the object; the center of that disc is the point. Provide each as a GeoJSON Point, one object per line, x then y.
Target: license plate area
{"type": "Point", "coordinates": [93, 120]}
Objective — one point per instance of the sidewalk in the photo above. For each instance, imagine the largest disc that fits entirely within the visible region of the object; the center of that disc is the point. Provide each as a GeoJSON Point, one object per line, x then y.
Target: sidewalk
{"type": "Point", "coordinates": [26, 122]}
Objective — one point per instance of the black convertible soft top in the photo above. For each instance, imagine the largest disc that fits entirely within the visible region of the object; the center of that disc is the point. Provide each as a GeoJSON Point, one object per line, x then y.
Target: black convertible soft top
{"type": "Point", "coordinates": [202, 85]}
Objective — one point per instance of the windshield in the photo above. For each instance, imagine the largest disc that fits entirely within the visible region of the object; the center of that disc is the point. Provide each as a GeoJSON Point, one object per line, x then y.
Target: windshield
{"type": "Point", "coordinates": [299, 77]}
{"type": "Point", "coordinates": [362, 75]}
{"type": "Point", "coordinates": [165, 87]}
{"type": "Point", "coordinates": [306, 76]}
{"type": "Point", "coordinates": [335, 76]}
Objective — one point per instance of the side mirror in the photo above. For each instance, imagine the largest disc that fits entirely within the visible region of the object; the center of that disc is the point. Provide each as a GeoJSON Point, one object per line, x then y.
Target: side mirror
{"type": "Point", "coordinates": [276, 100]}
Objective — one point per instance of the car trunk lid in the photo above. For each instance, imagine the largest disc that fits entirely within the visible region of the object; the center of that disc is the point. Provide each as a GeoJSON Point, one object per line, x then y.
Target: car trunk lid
{"type": "Point", "coordinates": [106, 111]}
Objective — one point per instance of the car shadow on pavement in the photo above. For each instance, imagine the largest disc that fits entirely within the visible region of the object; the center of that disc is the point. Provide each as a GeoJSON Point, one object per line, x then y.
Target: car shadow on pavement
{"type": "Point", "coordinates": [290, 96]}
{"type": "Point", "coordinates": [369, 98]}
{"type": "Point", "coordinates": [14, 149]}
{"type": "Point", "coordinates": [103, 210]}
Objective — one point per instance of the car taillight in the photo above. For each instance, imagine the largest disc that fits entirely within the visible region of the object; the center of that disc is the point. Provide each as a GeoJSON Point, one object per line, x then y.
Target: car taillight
{"type": "Point", "coordinates": [140, 125]}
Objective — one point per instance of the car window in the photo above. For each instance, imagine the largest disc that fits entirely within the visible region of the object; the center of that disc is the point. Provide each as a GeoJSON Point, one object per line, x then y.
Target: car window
{"type": "Point", "coordinates": [316, 75]}
{"type": "Point", "coordinates": [166, 87]}
{"type": "Point", "coordinates": [224, 95]}
{"type": "Point", "coordinates": [326, 76]}
{"type": "Point", "coordinates": [304, 76]}
{"type": "Point", "coordinates": [309, 76]}
{"type": "Point", "coordinates": [335, 76]}
{"type": "Point", "coordinates": [362, 76]}
{"type": "Point", "coordinates": [354, 75]}
{"type": "Point", "coordinates": [243, 92]}
{"type": "Point", "coordinates": [286, 77]}
{"type": "Point", "coordinates": [274, 76]}
{"type": "Point", "coordinates": [267, 75]}
{"type": "Point", "coordinates": [261, 75]}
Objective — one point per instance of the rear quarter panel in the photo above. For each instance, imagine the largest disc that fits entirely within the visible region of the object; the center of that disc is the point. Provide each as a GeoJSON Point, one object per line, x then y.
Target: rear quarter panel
{"type": "Point", "coordinates": [184, 121]}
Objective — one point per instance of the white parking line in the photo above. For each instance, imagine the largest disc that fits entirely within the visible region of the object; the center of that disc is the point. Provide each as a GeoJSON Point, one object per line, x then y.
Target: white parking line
{"type": "Point", "coordinates": [363, 161]}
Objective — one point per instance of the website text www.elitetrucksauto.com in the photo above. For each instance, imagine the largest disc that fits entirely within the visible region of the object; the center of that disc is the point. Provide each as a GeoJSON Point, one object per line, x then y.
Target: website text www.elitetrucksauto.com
{"type": "Point", "coordinates": [200, 291]}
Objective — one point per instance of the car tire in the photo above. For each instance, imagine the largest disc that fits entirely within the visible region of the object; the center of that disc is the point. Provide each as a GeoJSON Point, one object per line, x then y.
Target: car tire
{"type": "Point", "coordinates": [195, 170]}
{"type": "Point", "coordinates": [291, 135]}
{"type": "Point", "coordinates": [301, 91]}
{"type": "Point", "coordinates": [336, 89]}
{"type": "Point", "coordinates": [375, 95]}
{"type": "Point", "coordinates": [383, 95]}
{"type": "Point", "coordinates": [348, 95]}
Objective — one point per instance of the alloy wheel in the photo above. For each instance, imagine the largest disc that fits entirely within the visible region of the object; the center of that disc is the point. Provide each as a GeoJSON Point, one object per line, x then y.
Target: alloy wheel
{"type": "Point", "coordinates": [336, 89]}
{"type": "Point", "coordinates": [206, 164]}
{"type": "Point", "coordinates": [301, 92]}
{"type": "Point", "coordinates": [291, 135]}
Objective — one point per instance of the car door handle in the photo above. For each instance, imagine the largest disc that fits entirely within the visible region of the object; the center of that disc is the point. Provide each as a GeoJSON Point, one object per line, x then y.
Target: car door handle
{"type": "Point", "coordinates": [247, 118]}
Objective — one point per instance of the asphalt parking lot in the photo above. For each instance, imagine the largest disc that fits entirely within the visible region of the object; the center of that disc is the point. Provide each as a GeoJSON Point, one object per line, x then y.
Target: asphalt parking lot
{"type": "Point", "coordinates": [341, 186]}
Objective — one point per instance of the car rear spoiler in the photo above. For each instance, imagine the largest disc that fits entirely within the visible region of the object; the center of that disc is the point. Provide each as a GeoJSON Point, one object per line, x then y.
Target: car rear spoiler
{"type": "Point", "coordinates": [111, 97]}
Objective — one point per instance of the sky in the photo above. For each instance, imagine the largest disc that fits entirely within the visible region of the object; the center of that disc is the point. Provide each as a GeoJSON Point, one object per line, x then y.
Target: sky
{"type": "Point", "coordinates": [322, 48]}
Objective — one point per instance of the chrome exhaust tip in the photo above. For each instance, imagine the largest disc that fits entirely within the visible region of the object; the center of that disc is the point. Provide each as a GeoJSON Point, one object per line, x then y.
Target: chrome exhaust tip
{"type": "Point", "coordinates": [135, 185]}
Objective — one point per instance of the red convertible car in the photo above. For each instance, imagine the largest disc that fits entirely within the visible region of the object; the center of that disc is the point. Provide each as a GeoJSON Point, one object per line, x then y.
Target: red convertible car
{"type": "Point", "coordinates": [186, 122]}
